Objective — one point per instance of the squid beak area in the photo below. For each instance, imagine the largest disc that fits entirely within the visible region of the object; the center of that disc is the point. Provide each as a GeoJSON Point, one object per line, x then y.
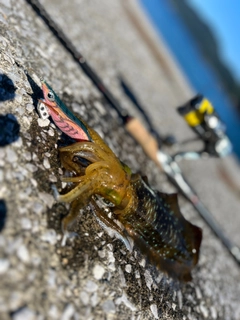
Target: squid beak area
{"type": "Point", "coordinates": [50, 108]}
{"type": "Point", "coordinates": [43, 101]}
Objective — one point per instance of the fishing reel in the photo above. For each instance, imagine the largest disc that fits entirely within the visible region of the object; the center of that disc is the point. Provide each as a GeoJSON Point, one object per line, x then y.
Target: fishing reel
{"type": "Point", "coordinates": [202, 118]}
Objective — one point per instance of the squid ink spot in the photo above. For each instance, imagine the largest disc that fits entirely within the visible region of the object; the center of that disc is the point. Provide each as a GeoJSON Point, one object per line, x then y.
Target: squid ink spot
{"type": "Point", "coordinates": [9, 129]}
{"type": "Point", "coordinates": [7, 88]}
{"type": "Point", "coordinates": [3, 214]}
{"type": "Point", "coordinates": [9, 126]}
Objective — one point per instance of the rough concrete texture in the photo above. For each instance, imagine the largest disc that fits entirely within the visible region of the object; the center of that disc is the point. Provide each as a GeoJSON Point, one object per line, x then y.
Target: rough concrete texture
{"type": "Point", "coordinates": [94, 276]}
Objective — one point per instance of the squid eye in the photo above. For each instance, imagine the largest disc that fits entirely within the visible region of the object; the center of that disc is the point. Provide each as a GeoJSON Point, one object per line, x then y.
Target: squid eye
{"type": "Point", "coordinates": [51, 96]}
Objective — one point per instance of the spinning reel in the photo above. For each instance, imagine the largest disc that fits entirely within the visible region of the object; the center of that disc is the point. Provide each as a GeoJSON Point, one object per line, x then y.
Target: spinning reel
{"type": "Point", "coordinates": [202, 118]}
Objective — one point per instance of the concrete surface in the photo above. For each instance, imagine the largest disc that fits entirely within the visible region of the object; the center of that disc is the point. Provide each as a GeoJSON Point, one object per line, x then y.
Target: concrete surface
{"type": "Point", "coordinates": [94, 276]}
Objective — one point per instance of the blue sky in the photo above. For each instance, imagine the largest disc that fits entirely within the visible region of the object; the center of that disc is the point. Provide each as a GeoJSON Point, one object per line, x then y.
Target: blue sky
{"type": "Point", "coordinates": [224, 18]}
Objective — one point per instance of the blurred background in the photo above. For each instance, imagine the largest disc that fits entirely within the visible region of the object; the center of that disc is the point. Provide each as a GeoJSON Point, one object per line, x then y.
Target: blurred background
{"type": "Point", "coordinates": [202, 36]}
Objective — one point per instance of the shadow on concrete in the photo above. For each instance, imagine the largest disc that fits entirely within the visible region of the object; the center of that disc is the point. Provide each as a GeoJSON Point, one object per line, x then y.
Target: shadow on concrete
{"type": "Point", "coordinates": [37, 91]}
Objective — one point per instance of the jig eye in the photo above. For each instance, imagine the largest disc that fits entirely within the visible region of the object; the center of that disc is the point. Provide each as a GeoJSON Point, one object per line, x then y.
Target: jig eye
{"type": "Point", "coordinates": [50, 96]}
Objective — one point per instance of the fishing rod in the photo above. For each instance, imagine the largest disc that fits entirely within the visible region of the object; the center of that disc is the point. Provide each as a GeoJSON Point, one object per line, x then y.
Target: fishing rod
{"type": "Point", "coordinates": [200, 115]}
{"type": "Point", "coordinates": [137, 130]}
{"type": "Point", "coordinates": [168, 140]}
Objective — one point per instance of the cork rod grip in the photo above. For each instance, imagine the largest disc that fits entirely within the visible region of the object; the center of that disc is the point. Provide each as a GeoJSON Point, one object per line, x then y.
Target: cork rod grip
{"type": "Point", "coordinates": [144, 138]}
